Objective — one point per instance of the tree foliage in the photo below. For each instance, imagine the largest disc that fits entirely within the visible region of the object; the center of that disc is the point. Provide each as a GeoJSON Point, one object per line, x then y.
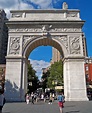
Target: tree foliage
{"type": "Point", "coordinates": [45, 78]}
{"type": "Point", "coordinates": [32, 79]}
{"type": "Point", "coordinates": [56, 74]}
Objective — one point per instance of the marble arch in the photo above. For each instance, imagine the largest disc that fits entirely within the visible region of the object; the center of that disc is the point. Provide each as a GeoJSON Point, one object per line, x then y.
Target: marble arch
{"type": "Point", "coordinates": [61, 29]}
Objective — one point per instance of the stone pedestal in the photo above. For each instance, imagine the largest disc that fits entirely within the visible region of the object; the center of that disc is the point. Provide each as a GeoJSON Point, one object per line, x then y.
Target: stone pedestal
{"type": "Point", "coordinates": [15, 83]}
{"type": "Point", "coordinates": [74, 80]}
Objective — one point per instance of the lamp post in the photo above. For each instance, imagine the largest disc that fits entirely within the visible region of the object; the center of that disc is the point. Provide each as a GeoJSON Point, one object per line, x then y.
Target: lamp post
{"type": "Point", "coordinates": [30, 83]}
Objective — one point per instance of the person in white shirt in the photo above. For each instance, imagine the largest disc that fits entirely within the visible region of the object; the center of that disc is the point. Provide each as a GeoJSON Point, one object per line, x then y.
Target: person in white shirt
{"type": "Point", "coordinates": [27, 98]}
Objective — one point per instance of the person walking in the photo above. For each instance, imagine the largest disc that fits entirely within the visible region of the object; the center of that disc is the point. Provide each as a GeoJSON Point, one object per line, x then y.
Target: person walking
{"type": "Point", "coordinates": [60, 99]}
{"type": "Point", "coordinates": [32, 97]}
{"type": "Point", "coordinates": [27, 98]}
{"type": "Point", "coordinates": [50, 99]}
{"type": "Point", "coordinates": [53, 96]}
{"type": "Point", "coordinates": [45, 96]}
{"type": "Point", "coordinates": [2, 102]}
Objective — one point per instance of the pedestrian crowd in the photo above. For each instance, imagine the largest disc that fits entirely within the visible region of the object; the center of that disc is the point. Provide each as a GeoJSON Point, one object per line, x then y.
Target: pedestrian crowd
{"type": "Point", "coordinates": [34, 97]}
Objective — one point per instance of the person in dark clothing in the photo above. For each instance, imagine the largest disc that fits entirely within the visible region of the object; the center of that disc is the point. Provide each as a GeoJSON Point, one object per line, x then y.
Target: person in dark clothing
{"type": "Point", "coordinates": [2, 100]}
{"type": "Point", "coordinates": [32, 97]}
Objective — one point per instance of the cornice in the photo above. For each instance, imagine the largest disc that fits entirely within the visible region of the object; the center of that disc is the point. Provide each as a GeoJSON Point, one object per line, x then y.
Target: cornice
{"type": "Point", "coordinates": [45, 10]}
{"type": "Point", "coordinates": [65, 22]}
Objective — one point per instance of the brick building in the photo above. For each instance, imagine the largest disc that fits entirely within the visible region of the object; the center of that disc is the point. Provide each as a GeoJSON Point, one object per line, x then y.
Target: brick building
{"type": "Point", "coordinates": [88, 74]}
{"type": "Point", "coordinates": [88, 70]}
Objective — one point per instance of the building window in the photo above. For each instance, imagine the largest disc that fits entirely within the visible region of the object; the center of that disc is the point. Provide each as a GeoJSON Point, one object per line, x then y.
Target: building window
{"type": "Point", "coordinates": [86, 68]}
{"type": "Point", "coordinates": [87, 76]}
{"type": "Point", "coordinates": [87, 83]}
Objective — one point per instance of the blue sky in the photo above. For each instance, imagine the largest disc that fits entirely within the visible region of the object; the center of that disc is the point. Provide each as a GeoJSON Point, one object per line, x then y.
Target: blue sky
{"type": "Point", "coordinates": [42, 54]}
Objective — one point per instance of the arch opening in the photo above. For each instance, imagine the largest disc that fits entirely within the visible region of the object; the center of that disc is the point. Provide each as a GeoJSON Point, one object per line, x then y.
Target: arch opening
{"type": "Point", "coordinates": [31, 45]}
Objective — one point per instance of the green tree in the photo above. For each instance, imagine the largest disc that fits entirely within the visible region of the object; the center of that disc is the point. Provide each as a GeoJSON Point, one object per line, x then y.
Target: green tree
{"type": "Point", "coordinates": [56, 74]}
{"type": "Point", "coordinates": [44, 79]}
{"type": "Point", "coordinates": [33, 81]}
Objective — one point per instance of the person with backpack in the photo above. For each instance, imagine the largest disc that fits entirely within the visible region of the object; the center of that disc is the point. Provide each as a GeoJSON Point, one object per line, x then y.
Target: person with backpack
{"type": "Point", "coordinates": [60, 99]}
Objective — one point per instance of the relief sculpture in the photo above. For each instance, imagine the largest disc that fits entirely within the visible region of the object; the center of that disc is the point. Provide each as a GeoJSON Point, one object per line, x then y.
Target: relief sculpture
{"type": "Point", "coordinates": [27, 38]}
{"type": "Point", "coordinates": [74, 45]}
{"type": "Point", "coordinates": [64, 40]}
{"type": "Point", "coordinates": [14, 45]}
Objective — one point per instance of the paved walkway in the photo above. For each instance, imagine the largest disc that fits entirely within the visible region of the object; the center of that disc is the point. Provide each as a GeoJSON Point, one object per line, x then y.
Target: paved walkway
{"type": "Point", "coordinates": [41, 107]}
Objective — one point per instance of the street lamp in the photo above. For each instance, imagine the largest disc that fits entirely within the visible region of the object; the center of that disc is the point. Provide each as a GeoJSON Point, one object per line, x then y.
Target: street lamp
{"type": "Point", "coordinates": [30, 83]}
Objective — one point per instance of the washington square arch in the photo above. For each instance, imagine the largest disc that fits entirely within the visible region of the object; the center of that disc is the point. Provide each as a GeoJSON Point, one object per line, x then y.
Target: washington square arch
{"type": "Point", "coordinates": [61, 29]}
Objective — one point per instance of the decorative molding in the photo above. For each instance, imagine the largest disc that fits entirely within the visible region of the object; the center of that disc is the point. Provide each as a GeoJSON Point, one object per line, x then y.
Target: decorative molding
{"type": "Point", "coordinates": [72, 14]}
{"type": "Point", "coordinates": [14, 45]}
{"type": "Point", "coordinates": [26, 30]}
{"type": "Point", "coordinates": [74, 45]}
{"type": "Point", "coordinates": [65, 30]}
{"type": "Point", "coordinates": [43, 29]}
{"type": "Point", "coordinates": [17, 15]}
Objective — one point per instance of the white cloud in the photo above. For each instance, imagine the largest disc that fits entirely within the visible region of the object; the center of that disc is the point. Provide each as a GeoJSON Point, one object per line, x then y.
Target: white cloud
{"type": "Point", "coordinates": [43, 4]}
{"type": "Point", "coordinates": [13, 5]}
{"type": "Point", "coordinates": [38, 65]}
{"type": "Point", "coordinates": [8, 5]}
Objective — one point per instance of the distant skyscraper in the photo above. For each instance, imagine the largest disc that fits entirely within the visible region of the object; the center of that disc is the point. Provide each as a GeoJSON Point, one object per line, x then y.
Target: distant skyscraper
{"type": "Point", "coordinates": [3, 37]}
{"type": "Point", "coordinates": [84, 46]}
{"type": "Point", "coordinates": [56, 56]}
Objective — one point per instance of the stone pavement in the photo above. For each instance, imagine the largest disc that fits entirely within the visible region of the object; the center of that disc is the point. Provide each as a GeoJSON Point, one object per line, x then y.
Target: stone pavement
{"type": "Point", "coordinates": [41, 107]}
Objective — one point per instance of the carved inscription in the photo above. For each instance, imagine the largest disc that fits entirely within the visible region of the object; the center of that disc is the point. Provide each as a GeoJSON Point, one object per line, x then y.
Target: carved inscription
{"type": "Point", "coordinates": [14, 45]}
{"type": "Point", "coordinates": [74, 45]}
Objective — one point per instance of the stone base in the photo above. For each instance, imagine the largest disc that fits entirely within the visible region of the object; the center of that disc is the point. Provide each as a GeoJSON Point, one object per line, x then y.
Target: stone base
{"type": "Point", "coordinates": [74, 80]}
{"type": "Point", "coordinates": [77, 99]}
{"type": "Point", "coordinates": [14, 100]}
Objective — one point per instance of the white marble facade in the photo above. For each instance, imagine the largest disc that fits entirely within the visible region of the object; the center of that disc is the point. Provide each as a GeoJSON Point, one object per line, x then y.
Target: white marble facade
{"type": "Point", "coordinates": [61, 29]}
